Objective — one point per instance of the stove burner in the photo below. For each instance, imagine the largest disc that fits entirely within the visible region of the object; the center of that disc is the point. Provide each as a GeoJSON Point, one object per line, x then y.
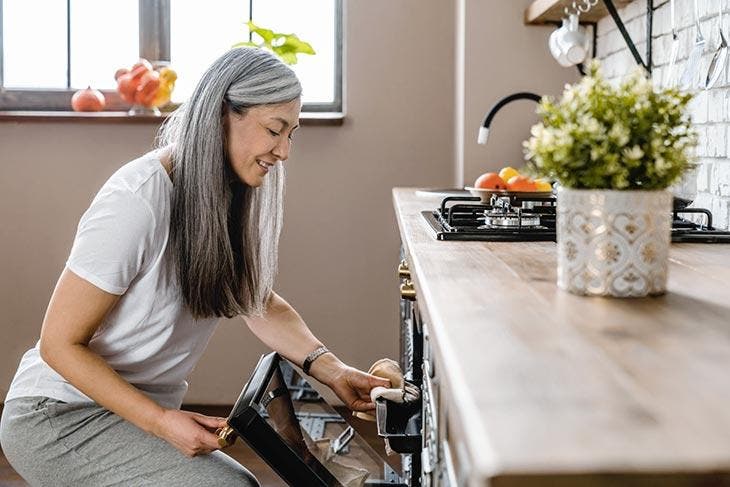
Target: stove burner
{"type": "Point", "coordinates": [502, 214]}
{"type": "Point", "coordinates": [526, 203]}
{"type": "Point", "coordinates": [516, 219]}
{"type": "Point", "coordinates": [512, 220]}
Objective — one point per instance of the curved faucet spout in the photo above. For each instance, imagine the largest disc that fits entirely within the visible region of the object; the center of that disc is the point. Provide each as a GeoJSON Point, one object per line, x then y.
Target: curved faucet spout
{"type": "Point", "coordinates": [484, 129]}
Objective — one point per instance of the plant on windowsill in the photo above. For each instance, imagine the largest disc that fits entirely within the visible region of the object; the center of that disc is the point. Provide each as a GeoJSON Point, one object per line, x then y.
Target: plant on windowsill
{"type": "Point", "coordinates": [614, 150]}
{"type": "Point", "coordinates": [286, 46]}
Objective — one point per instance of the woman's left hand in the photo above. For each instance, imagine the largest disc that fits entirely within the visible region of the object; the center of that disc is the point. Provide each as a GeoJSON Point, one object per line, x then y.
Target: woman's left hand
{"type": "Point", "coordinates": [351, 385]}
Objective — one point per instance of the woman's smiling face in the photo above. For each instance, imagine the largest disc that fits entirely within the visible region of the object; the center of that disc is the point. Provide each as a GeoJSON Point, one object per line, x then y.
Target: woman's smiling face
{"type": "Point", "coordinates": [260, 138]}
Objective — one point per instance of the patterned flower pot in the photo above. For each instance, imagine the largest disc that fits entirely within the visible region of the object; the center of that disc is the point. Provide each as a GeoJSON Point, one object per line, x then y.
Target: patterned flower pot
{"type": "Point", "coordinates": [613, 243]}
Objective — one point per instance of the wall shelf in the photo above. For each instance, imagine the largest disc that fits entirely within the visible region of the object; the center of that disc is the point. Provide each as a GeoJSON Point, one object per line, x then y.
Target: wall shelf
{"type": "Point", "coordinates": [551, 11]}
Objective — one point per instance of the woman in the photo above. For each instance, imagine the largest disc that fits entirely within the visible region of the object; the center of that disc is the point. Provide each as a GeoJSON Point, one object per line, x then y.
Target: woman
{"type": "Point", "coordinates": [172, 242]}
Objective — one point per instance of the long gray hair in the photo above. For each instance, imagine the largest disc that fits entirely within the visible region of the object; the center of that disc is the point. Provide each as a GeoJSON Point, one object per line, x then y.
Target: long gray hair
{"type": "Point", "coordinates": [224, 234]}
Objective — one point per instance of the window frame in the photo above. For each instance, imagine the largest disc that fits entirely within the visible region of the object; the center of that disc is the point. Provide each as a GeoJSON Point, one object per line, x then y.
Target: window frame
{"type": "Point", "coordinates": [154, 44]}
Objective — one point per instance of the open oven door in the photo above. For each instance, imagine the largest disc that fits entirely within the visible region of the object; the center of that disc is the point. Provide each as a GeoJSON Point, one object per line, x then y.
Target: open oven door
{"type": "Point", "coordinates": [302, 438]}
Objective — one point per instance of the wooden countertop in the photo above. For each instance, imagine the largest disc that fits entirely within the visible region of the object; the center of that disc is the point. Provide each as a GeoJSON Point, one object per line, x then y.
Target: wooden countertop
{"type": "Point", "coordinates": [548, 384]}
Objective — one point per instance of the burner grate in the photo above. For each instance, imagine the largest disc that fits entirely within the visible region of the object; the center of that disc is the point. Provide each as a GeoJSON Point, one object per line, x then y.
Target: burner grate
{"type": "Point", "coordinates": [464, 218]}
{"type": "Point", "coordinates": [470, 232]}
{"type": "Point", "coordinates": [684, 230]}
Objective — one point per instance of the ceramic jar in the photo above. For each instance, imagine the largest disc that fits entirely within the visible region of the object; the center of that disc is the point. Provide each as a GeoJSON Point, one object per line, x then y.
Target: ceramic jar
{"type": "Point", "coordinates": [613, 243]}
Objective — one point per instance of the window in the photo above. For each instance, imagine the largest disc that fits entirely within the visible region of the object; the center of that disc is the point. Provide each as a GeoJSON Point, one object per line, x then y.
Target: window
{"type": "Point", "coordinates": [72, 44]}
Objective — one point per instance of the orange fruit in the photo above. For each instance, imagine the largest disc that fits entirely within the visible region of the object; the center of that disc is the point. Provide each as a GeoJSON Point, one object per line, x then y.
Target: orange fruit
{"type": "Point", "coordinates": [490, 180]}
{"type": "Point", "coordinates": [508, 173]}
{"type": "Point", "coordinates": [521, 183]}
{"type": "Point", "coordinates": [147, 88]}
{"type": "Point", "coordinates": [126, 87]}
{"type": "Point", "coordinates": [542, 185]}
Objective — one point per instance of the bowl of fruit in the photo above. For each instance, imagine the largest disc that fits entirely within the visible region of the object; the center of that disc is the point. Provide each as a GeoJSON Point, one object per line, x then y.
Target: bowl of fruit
{"type": "Point", "coordinates": [145, 87]}
{"type": "Point", "coordinates": [508, 182]}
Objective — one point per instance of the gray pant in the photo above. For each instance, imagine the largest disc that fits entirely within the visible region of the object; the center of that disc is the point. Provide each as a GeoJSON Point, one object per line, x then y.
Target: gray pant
{"type": "Point", "coordinates": [53, 443]}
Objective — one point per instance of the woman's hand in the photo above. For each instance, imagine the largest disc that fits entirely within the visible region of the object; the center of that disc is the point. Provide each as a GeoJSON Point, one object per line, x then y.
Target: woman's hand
{"type": "Point", "coordinates": [352, 386]}
{"type": "Point", "coordinates": [191, 433]}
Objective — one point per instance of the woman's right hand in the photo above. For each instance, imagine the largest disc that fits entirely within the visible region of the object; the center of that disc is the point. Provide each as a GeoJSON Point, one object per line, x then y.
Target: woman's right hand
{"type": "Point", "coordinates": [191, 433]}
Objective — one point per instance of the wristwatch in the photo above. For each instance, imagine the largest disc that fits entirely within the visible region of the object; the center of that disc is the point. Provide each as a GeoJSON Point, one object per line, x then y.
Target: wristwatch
{"type": "Point", "coordinates": [314, 355]}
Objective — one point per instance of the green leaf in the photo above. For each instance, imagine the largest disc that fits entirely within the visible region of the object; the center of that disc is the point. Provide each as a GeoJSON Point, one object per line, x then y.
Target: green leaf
{"type": "Point", "coordinates": [266, 34]}
{"type": "Point", "coordinates": [286, 46]}
{"type": "Point", "coordinates": [299, 46]}
{"type": "Point", "coordinates": [287, 57]}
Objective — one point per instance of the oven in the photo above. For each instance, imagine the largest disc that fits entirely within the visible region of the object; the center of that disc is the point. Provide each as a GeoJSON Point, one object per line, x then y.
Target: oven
{"type": "Point", "coordinates": [410, 360]}
{"type": "Point", "coordinates": [301, 437]}
{"type": "Point", "coordinates": [434, 463]}
{"type": "Point", "coordinates": [306, 442]}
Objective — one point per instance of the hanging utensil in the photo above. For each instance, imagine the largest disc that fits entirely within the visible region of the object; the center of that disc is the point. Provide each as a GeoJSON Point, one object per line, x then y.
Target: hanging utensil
{"type": "Point", "coordinates": [717, 64]}
{"type": "Point", "coordinates": [587, 6]}
{"type": "Point", "coordinates": [669, 75]}
{"type": "Point", "coordinates": [689, 76]}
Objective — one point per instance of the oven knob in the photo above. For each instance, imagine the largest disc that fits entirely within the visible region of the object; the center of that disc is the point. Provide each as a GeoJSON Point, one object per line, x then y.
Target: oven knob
{"type": "Point", "coordinates": [407, 291]}
{"type": "Point", "coordinates": [403, 271]}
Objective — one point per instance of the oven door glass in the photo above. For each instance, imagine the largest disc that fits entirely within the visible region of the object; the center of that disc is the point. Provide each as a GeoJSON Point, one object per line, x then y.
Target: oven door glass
{"type": "Point", "coordinates": [302, 438]}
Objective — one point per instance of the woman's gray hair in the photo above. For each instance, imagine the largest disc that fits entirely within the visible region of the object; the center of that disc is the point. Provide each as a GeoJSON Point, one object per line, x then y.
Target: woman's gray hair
{"type": "Point", "coordinates": [224, 234]}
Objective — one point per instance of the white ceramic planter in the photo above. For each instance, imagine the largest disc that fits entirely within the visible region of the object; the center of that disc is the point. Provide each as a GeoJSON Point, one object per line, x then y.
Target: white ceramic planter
{"type": "Point", "coordinates": [613, 243]}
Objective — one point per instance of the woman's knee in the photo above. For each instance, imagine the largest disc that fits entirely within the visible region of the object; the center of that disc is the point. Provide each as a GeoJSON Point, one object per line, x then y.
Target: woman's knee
{"type": "Point", "coordinates": [233, 472]}
{"type": "Point", "coordinates": [215, 470]}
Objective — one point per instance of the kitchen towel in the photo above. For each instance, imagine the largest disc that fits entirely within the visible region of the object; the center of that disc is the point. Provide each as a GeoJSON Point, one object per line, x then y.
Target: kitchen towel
{"type": "Point", "coordinates": [400, 391]}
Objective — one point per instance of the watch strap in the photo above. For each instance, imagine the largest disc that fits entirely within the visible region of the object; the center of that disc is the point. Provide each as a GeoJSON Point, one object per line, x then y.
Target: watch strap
{"type": "Point", "coordinates": [314, 355]}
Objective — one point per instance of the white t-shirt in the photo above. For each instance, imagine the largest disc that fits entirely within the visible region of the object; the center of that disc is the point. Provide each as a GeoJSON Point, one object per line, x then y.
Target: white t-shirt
{"type": "Point", "coordinates": [150, 337]}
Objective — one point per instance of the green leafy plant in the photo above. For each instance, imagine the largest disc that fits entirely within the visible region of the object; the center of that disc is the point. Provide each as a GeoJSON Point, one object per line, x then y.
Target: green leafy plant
{"type": "Point", "coordinates": [286, 46]}
{"type": "Point", "coordinates": [604, 136]}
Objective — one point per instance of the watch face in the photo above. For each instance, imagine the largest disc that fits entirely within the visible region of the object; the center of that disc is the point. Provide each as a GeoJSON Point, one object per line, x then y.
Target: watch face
{"type": "Point", "coordinates": [306, 441]}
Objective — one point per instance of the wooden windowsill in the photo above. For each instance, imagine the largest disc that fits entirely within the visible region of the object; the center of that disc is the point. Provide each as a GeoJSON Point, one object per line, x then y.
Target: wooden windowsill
{"type": "Point", "coordinates": [308, 118]}
{"type": "Point", "coordinates": [551, 11]}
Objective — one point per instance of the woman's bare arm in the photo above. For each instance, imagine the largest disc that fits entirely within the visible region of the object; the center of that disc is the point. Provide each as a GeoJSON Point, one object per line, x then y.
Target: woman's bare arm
{"type": "Point", "coordinates": [76, 310]}
{"type": "Point", "coordinates": [282, 329]}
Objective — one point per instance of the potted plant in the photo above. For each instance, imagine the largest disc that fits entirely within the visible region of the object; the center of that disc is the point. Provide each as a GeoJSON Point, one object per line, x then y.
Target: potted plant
{"type": "Point", "coordinates": [614, 149]}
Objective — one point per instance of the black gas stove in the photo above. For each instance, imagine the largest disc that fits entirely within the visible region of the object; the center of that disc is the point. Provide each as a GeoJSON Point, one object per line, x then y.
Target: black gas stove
{"type": "Point", "coordinates": [527, 218]}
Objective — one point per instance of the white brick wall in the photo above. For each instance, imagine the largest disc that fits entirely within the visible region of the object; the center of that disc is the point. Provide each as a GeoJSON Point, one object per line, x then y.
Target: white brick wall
{"type": "Point", "coordinates": [709, 184]}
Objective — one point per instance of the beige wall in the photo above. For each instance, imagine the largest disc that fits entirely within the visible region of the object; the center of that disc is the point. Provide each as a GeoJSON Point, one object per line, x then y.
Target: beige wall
{"type": "Point", "coordinates": [501, 56]}
{"type": "Point", "coordinates": [340, 242]}
{"type": "Point", "coordinates": [340, 245]}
